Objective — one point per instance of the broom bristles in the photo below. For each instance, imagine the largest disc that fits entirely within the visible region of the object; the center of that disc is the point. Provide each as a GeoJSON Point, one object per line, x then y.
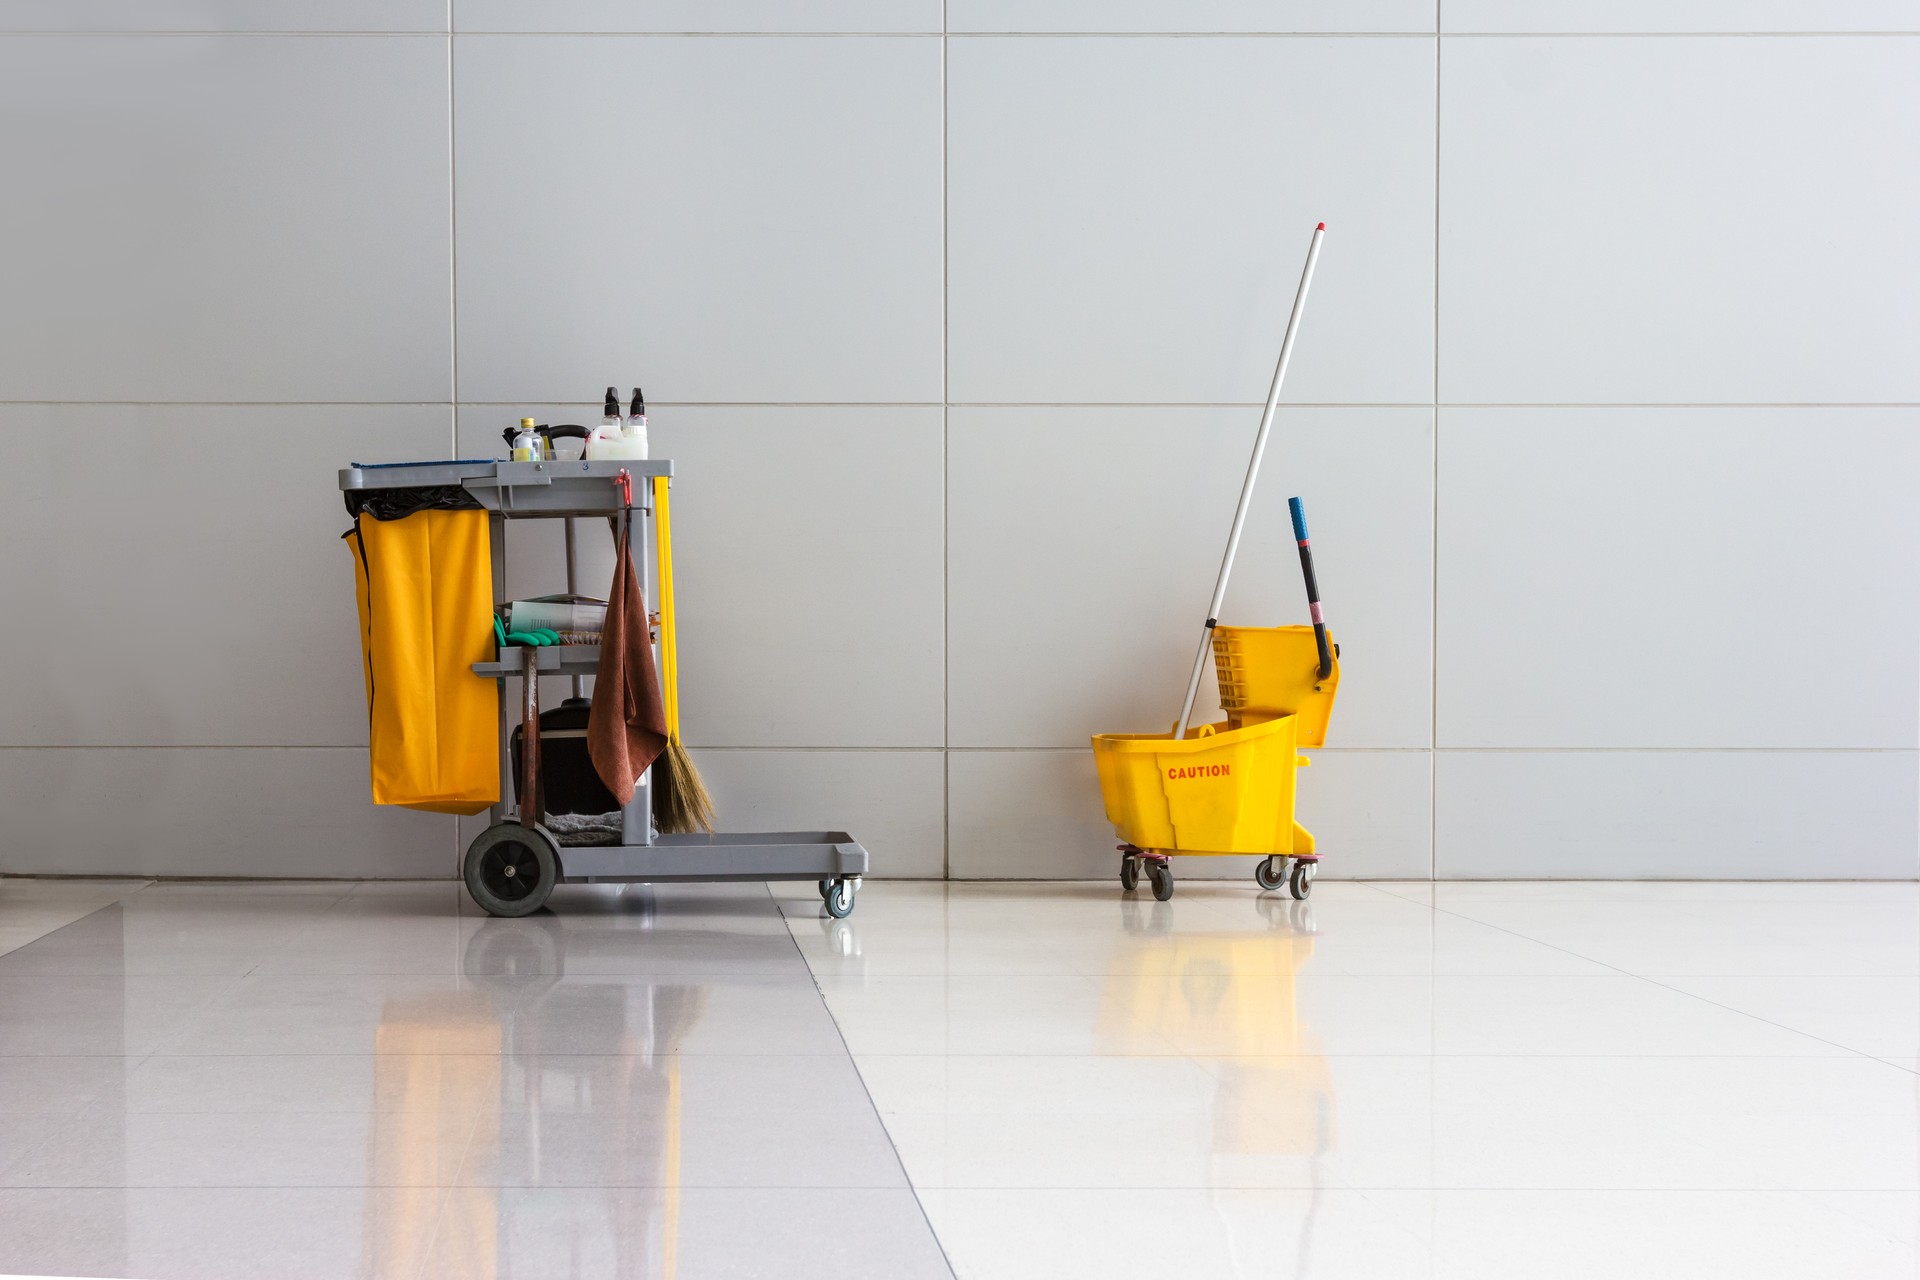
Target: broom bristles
{"type": "Point", "coordinates": [681, 803]}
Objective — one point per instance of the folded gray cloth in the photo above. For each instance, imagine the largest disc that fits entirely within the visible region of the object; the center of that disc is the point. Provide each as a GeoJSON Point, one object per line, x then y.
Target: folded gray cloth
{"type": "Point", "coordinates": [585, 828]}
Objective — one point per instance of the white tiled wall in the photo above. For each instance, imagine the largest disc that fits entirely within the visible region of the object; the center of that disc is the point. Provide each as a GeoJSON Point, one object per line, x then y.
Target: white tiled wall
{"type": "Point", "coordinates": [956, 315]}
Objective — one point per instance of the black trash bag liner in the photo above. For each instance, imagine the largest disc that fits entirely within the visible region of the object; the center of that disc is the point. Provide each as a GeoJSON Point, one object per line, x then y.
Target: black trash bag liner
{"type": "Point", "coordinates": [568, 780]}
{"type": "Point", "coordinates": [397, 504]}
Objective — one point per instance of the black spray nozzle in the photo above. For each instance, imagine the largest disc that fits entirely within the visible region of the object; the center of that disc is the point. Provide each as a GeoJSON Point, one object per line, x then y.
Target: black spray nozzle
{"type": "Point", "coordinates": [612, 408]}
{"type": "Point", "coordinates": [639, 403]}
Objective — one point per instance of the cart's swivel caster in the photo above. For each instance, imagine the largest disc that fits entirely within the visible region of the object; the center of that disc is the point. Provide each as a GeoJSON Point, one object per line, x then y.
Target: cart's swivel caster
{"type": "Point", "coordinates": [510, 869]}
{"type": "Point", "coordinates": [1130, 872]}
{"type": "Point", "coordinates": [826, 889]}
{"type": "Point", "coordinates": [839, 898]}
{"type": "Point", "coordinates": [1300, 884]}
{"type": "Point", "coordinates": [1270, 873]}
{"type": "Point", "coordinates": [1160, 875]}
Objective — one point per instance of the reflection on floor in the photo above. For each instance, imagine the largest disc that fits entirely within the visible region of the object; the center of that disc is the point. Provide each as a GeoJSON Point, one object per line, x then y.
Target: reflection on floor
{"type": "Point", "coordinates": [1013, 1080]}
{"type": "Point", "coordinates": [338, 1080]}
{"type": "Point", "coordinates": [1493, 1080]}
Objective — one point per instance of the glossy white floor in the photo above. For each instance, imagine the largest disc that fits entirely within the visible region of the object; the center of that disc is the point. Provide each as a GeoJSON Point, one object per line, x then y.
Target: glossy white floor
{"type": "Point", "coordinates": [1032, 1080]}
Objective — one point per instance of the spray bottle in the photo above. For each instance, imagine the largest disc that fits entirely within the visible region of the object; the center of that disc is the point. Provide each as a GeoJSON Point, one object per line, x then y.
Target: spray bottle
{"type": "Point", "coordinates": [636, 429]}
{"type": "Point", "coordinates": [609, 439]}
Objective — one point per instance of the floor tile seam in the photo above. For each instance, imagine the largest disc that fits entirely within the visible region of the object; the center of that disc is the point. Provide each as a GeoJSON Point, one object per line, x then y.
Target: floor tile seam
{"type": "Point", "coordinates": [1440, 910]}
{"type": "Point", "coordinates": [1842, 1055]}
{"type": "Point", "coordinates": [853, 1060]}
{"type": "Point", "coordinates": [505, 1055]}
{"type": "Point", "coordinates": [432, 1236]}
{"type": "Point", "coordinates": [1362, 1188]}
{"type": "Point", "coordinates": [82, 917]}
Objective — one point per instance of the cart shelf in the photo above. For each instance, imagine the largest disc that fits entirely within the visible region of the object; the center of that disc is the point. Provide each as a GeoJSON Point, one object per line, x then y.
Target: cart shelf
{"type": "Point", "coordinates": [554, 660]}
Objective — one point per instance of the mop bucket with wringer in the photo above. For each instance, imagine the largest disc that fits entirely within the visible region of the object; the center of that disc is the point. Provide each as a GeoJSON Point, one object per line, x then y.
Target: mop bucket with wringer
{"type": "Point", "coordinates": [1228, 788]}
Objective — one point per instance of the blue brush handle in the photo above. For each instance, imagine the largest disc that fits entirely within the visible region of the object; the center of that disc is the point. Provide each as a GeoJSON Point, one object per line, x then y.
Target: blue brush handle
{"type": "Point", "coordinates": [1313, 586]}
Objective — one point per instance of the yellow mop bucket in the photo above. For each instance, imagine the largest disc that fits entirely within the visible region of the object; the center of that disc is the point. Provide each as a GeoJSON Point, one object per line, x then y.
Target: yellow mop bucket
{"type": "Point", "coordinates": [1222, 791]}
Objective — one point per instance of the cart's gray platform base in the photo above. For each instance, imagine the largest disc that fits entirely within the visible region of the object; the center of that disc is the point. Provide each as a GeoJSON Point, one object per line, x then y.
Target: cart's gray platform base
{"type": "Point", "coordinates": [770, 855]}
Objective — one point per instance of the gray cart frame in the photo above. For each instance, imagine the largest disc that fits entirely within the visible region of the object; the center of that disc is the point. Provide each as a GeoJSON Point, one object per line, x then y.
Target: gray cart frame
{"type": "Point", "coordinates": [567, 491]}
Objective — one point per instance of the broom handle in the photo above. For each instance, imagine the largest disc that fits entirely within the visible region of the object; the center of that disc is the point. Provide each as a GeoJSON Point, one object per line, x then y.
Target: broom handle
{"type": "Point", "coordinates": [1299, 514]}
{"type": "Point", "coordinates": [1246, 489]}
{"type": "Point", "coordinates": [669, 654]}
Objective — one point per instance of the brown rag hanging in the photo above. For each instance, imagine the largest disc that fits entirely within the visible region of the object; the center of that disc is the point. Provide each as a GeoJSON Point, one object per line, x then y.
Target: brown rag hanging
{"type": "Point", "coordinates": [627, 727]}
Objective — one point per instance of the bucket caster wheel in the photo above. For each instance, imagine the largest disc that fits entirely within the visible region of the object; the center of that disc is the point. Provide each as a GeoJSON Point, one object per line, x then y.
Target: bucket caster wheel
{"type": "Point", "coordinates": [1300, 884]}
{"type": "Point", "coordinates": [1161, 876]}
{"type": "Point", "coordinates": [1130, 872]}
{"type": "Point", "coordinates": [1270, 873]}
{"type": "Point", "coordinates": [510, 869]}
{"type": "Point", "coordinates": [840, 899]}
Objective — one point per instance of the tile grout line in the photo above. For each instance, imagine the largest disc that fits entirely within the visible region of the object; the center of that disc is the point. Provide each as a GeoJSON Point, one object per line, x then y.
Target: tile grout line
{"type": "Point", "coordinates": [1433, 544]}
{"type": "Point", "coordinates": [1437, 909]}
{"type": "Point", "coordinates": [946, 480]}
{"type": "Point", "coordinates": [446, 1193]}
{"type": "Point", "coordinates": [453, 319]}
{"type": "Point", "coordinates": [819, 993]}
{"type": "Point", "coordinates": [1590, 405]}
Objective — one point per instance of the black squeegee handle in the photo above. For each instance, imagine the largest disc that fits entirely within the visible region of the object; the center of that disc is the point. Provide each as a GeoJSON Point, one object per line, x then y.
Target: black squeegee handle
{"type": "Point", "coordinates": [1313, 586]}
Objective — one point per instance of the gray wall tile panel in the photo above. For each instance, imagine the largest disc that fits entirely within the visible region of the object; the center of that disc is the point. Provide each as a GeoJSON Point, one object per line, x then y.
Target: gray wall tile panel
{"type": "Point", "coordinates": [754, 219]}
{"type": "Point", "coordinates": [224, 15]}
{"type": "Point", "coordinates": [717, 16]}
{"type": "Point", "coordinates": [1679, 578]}
{"type": "Point", "coordinates": [187, 585]}
{"type": "Point", "coordinates": [225, 218]}
{"type": "Point", "coordinates": [1732, 815]}
{"type": "Point", "coordinates": [1128, 217]}
{"type": "Point", "coordinates": [1713, 220]}
{"type": "Point", "coordinates": [1630, 16]}
{"type": "Point", "coordinates": [1083, 544]}
{"type": "Point", "coordinates": [187, 811]}
{"type": "Point", "coordinates": [1251, 16]}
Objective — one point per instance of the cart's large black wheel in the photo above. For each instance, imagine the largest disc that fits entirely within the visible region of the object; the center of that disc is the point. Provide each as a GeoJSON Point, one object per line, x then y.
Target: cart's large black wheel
{"type": "Point", "coordinates": [1130, 873]}
{"type": "Point", "coordinates": [1270, 873]}
{"type": "Point", "coordinates": [1301, 883]}
{"type": "Point", "coordinates": [1162, 877]}
{"type": "Point", "coordinates": [510, 869]}
{"type": "Point", "coordinates": [840, 901]}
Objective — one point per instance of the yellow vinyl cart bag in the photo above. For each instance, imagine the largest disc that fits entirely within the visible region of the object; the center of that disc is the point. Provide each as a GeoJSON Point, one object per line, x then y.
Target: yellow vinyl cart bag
{"type": "Point", "coordinates": [424, 583]}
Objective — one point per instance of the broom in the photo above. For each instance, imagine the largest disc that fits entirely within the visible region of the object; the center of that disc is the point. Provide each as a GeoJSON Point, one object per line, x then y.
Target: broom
{"type": "Point", "coordinates": [681, 803]}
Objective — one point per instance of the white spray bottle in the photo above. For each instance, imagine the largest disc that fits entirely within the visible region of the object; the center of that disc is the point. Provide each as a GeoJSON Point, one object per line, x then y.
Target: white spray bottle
{"type": "Point", "coordinates": [636, 429]}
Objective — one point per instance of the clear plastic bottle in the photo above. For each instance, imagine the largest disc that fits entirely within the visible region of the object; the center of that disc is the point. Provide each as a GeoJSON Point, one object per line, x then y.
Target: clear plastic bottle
{"type": "Point", "coordinates": [526, 443]}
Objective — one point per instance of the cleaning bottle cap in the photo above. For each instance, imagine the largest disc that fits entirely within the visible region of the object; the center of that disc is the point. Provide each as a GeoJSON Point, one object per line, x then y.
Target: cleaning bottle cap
{"type": "Point", "coordinates": [639, 403]}
{"type": "Point", "coordinates": [526, 424]}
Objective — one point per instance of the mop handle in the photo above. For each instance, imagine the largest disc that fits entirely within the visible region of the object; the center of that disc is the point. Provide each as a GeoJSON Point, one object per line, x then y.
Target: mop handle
{"type": "Point", "coordinates": [1313, 585]}
{"type": "Point", "coordinates": [1246, 489]}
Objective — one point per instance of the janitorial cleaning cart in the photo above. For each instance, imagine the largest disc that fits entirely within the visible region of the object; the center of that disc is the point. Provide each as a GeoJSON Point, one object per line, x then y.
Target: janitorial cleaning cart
{"type": "Point", "coordinates": [1228, 788]}
{"type": "Point", "coordinates": [511, 867]}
